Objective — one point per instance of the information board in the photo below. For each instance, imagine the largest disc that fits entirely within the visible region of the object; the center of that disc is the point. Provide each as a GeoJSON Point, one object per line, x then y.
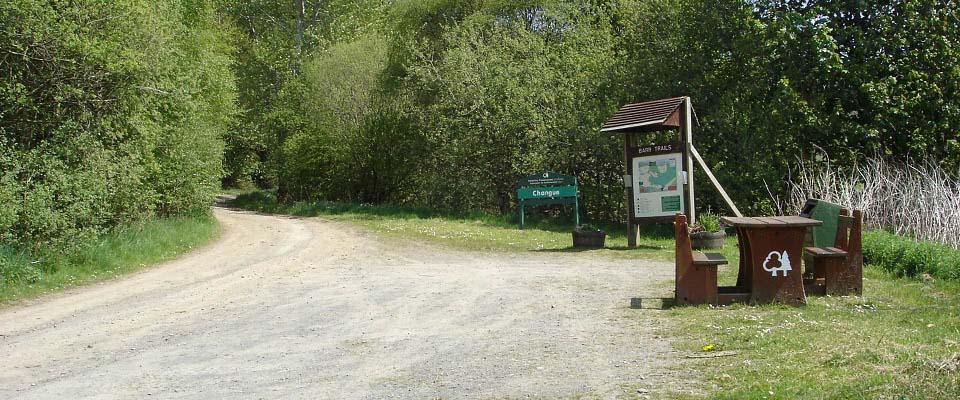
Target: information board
{"type": "Point", "coordinates": [547, 188]}
{"type": "Point", "coordinates": [657, 182]}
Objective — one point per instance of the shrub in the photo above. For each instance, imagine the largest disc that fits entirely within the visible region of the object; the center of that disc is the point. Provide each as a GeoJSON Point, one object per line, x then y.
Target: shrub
{"type": "Point", "coordinates": [707, 222]}
{"type": "Point", "coordinates": [904, 256]}
{"type": "Point", "coordinates": [110, 113]}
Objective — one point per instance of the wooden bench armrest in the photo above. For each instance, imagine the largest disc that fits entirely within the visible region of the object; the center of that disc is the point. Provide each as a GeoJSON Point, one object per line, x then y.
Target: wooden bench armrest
{"type": "Point", "coordinates": [708, 259]}
{"type": "Point", "coordinates": [825, 252]}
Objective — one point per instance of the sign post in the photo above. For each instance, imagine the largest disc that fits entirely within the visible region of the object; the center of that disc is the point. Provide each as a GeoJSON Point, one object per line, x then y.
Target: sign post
{"type": "Point", "coordinates": [658, 178]}
{"type": "Point", "coordinates": [548, 188]}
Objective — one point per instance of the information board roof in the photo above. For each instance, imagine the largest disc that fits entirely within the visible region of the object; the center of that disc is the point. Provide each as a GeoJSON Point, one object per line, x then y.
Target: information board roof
{"type": "Point", "coordinates": [647, 116]}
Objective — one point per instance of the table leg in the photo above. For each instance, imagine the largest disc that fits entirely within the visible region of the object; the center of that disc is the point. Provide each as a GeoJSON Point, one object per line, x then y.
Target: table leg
{"type": "Point", "coordinates": [775, 255]}
{"type": "Point", "coordinates": [745, 270]}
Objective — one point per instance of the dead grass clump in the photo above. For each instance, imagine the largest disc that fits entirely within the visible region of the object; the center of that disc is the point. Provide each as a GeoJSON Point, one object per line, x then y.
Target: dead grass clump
{"type": "Point", "coordinates": [916, 199]}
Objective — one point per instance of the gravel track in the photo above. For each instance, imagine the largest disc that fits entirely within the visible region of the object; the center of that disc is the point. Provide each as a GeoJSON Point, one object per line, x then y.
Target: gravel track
{"type": "Point", "coordinates": [281, 307]}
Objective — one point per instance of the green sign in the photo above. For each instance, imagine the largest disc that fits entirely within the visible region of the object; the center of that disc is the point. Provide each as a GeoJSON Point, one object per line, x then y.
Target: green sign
{"type": "Point", "coordinates": [547, 192]}
{"type": "Point", "coordinates": [547, 188]}
{"type": "Point", "coordinates": [547, 178]}
{"type": "Point", "coordinates": [670, 203]}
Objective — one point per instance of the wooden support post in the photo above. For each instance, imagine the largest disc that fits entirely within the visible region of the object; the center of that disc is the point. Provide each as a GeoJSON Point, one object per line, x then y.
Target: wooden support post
{"type": "Point", "coordinates": [688, 140]}
{"type": "Point", "coordinates": [628, 192]}
{"type": "Point", "coordinates": [713, 179]}
{"type": "Point", "coordinates": [521, 214]}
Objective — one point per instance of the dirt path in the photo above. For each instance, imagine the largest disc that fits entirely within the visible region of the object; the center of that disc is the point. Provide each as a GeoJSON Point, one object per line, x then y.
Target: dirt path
{"type": "Point", "coordinates": [304, 308]}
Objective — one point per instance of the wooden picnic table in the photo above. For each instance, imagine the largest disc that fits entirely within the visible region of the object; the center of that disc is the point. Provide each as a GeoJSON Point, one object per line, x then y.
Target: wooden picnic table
{"type": "Point", "coordinates": [771, 252]}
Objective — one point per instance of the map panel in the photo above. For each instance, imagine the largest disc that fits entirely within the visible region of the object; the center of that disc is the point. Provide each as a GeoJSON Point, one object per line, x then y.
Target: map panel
{"type": "Point", "coordinates": [657, 185]}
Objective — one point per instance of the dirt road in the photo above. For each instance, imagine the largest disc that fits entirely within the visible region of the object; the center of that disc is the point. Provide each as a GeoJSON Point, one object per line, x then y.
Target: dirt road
{"type": "Point", "coordinates": [304, 308]}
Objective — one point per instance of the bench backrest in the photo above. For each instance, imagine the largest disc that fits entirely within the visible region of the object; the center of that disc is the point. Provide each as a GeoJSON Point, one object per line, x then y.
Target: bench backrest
{"type": "Point", "coordinates": [826, 212]}
{"type": "Point", "coordinates": [849, 229]}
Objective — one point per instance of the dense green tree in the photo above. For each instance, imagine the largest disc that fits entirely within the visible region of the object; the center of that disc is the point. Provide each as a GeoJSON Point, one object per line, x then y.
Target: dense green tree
{"type": "Point", "coordinates": [358, 135]}
{"type": "Point", "coordinates": [484, 92]}
{"type": "Point", "coordinates": [112, 111]}
{"type": "Point", "coordinates": [275, 39]}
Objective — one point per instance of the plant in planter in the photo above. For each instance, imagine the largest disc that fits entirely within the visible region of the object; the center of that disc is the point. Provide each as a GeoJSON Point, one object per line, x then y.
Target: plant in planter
{"type": "Point", "coordinates": [588, 236]}
{"type": "Point", "coordinates": [707, 232]}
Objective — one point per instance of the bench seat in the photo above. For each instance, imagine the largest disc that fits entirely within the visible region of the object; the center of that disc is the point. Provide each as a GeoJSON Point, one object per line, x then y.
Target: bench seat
{"type": "Point", "coordinates": [696, 273]}
{"type": "Point", "coordinates": [708, 259]}
{"type": "Point", "coordinates": [829, 252]}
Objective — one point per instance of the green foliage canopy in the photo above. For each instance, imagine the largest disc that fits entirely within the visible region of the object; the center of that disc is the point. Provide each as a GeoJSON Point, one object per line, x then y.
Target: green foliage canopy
{"type": "Point", "coordinates": [112, 111]}
{"type": "Point", "coordinates": [453, 100]}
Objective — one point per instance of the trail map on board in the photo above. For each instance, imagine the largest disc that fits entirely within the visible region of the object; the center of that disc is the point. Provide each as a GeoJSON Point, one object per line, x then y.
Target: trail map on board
{"type": "Point", "coordinates": [657, 185]}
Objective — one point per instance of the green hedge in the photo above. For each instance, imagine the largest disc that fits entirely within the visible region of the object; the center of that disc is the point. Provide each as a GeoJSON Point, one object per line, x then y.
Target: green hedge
{"type": "Point", "coordinates": [908, 257]}
{"type": "Point", "coordinates": [111, 113]}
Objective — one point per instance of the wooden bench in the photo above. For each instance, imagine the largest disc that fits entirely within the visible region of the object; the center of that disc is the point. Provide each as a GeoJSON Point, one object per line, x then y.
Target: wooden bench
{"type": "Point", "coordinates": [838, 270]}
{"type": "Point", "coordinates": [696, 273]}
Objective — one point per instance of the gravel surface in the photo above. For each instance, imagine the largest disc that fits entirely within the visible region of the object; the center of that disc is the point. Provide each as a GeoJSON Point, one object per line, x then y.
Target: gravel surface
{"type": "Point", "coordinates": [282, 307]}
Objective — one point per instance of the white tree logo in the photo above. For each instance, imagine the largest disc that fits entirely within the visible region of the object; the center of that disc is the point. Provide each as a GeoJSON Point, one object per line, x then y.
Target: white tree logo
{"type": "Point", "coordinates": [776, 262]}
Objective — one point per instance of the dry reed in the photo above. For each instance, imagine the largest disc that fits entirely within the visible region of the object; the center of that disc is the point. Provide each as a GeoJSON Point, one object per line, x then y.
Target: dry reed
{"type": "Point", "coordinates": [915, 199]}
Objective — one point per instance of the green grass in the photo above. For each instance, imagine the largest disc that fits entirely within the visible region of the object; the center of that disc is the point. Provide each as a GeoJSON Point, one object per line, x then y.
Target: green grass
{"type": "Point", "coordinates": [897, 341]}
{"type": "Point", "coordinates": [474, 231]}
{"type": "Point", "coordinates": [26, 275]}
{"type": "Point", "coordinates": [905, 256]}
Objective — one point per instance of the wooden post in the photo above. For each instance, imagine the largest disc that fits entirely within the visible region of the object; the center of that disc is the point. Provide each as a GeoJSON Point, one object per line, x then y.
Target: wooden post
{"type": "Point", "coordinates": [521, 214]}
{"type": "Point", "coordinates": [628, 192]}
{"type": "Point", "coordinates": [688, 141]}
{"type": "Point", "coordinates": [713, 179]}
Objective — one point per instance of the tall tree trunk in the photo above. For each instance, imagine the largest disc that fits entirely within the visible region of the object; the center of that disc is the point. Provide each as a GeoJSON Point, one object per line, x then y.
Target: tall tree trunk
{"type": "Point", "coordinates": [299, 4]}
{"type": "Point", "coordinates": [283, 190]}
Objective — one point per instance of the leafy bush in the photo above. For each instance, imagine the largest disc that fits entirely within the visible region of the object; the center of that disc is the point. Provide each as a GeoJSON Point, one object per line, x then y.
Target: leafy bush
{"type": "Point", "coordinates": [110, 113]}
{"type": "Point", "coordinates": [707, 222]}
{"type": "Point", "coordinates": [446, 103]}
{"type": "Point", "coordinates": [905, 256]}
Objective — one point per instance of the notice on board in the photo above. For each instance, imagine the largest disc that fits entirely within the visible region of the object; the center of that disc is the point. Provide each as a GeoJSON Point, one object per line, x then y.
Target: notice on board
{"type": "Point", "coordinates": [657, 185]}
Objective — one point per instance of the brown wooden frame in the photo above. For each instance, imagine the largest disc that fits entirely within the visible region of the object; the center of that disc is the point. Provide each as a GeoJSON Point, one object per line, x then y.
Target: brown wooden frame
{"type": "Point", "coordinates": [838, 270]}
{"type": "Point", "coordinates": [696, 273]}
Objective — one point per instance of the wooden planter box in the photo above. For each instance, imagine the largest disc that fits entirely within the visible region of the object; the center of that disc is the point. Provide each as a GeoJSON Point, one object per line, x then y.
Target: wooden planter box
{"type": "Point", "coordinates": [589, 239]}
{"type": "Point", "coordinates": [707, 240]}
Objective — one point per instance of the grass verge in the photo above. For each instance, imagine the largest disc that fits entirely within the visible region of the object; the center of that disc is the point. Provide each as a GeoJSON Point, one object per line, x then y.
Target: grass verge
{"type": "Point", "coordinates": [900, 340]}
{"type": "Point", "coordinates": [26, 275]}
{"type": "Point", "coordinates": [905, 256]}
{"type": "Point", "coordinates": [473, 231]}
